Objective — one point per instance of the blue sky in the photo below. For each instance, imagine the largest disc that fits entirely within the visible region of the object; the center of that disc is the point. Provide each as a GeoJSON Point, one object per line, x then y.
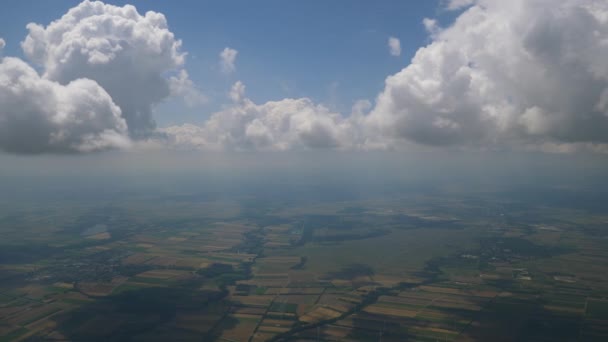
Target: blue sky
{"type": "Point", "coordinates": [487, 74]}
{"type": "Point", "coordinates": [334, 52]}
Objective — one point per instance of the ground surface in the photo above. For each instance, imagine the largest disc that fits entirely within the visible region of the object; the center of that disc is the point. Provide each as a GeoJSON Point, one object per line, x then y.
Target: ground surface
{"type": "Point", "coordinates": [413, 267]}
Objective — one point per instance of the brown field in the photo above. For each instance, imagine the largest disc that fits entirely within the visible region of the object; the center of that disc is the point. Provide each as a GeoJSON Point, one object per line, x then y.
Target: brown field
{"type": "Point", "coordinates": [33, 291]}
{"type": "Point", "coordinates": [262, 300]}
{"type": "Point", "coordinates": [297, 299]}
{"type": "Point", "coordinates": [276, 290]}
{"type": "Point", "coordinates": [96, 289]}
{"type": "Point", "coordinates": [75, 296]}
{"type": "Point", "coordinates": [137, 258]}
{"type": "Point", "coordinates": [380, 310]}
{"type": "Point", "coordinates": [446, 290]}
{"type": "Point", "coordinates": [277, 322]}
{"type": "Point", "coordinates": [436, 290]}
{"type": "Point", "coordinates": [133, 283]}
{"type": "Point", "coordinates": [64, 285]}
{"type": "Point", "coordinates": [336, 332]}
{"type": "Point", "coordinates": [320, 313]}
{"type": "Point", "coordinates": [248, 310]}
{"type": "Point", "coordinates": [177, 239]}
{"type": "Point", "coordinates": [100, 236]}
{"type": "Point", "coordinates": [34, 314]}
{"type": "Point", "coordinates": [565, 309]}
{"type": "Point", "coordinates": [404, 300]}
{"type": "Point", "coordinates": [232, 258]}
{"type": "Point", "coordinates": [366, 321]}
{"type": "Point", "coordinates": [272, 329]}
{"type": "Point", "coordinates": [43, 326]}
{"type": "Point", "coordinates": [433, 332]}
{"type": "Point", "coordinates": [350, 299]}
{"type": "Point", "coordinates": [303, 309]}
{"type": "Point", "coordinates": [334, 301]}
{"type": "Point", "coordinates": [431, 314]}
{"type": "Point", "coordinates": [262, 336]}
{"type": "Point", "coordinates": [11, 311]}
{"type": "Point", "coordinates": [299, 276]}
{"type": "Point", "coordinates": [101, 289]}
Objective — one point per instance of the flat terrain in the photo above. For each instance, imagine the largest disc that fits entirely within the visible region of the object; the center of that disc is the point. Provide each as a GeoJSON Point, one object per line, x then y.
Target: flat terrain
{"type": "Point", "coordinates": [439, 267]}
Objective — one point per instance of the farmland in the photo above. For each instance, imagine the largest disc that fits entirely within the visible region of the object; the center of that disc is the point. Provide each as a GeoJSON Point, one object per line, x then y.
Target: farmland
{"type": "Point", "coordinates": [419, 268]}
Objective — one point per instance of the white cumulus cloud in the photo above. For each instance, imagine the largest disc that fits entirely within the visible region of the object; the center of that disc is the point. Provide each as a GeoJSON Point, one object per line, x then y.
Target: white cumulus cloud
{"type": "Point", "coordinates": [520, 72]}
{"type": "Point", "coordinates": [458, 4]}
{"type": "Point", "coordinates": [228, 60]}
{"type": "Point", "coordinates": [2, 44]}
{"type": "Point", "coordinates": [128, 54]}
{"type": "Point", "coordinates": [182, 86]}
{"type": "Point", "coordinates": [275, 125]}
{"type": "Point", "coordinates": [38, 115]}
{"type": "Point", "coordinates": [394, 46]}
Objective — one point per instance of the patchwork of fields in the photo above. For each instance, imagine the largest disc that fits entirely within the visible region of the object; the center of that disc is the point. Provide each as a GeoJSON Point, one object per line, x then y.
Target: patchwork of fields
{"type": "Point", "coordinates": [415, 269]}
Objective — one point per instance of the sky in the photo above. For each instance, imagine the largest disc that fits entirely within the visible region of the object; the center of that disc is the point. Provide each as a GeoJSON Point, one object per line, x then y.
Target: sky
{"type": "Point", "coordinates": [278, 45]}
{"type": "Point", "coordinates": [482, 75]}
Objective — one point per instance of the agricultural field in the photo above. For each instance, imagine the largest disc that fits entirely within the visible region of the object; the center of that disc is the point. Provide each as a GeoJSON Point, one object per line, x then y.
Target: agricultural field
{"type": "Point", "coordinates": [419, 268]}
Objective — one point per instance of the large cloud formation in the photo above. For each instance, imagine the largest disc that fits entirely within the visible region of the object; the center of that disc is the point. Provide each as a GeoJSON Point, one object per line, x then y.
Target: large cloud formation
{"type": "Point", "coordinates": [275, 125]}
{"type": "Point", "coordinates": [38, 115]}
{"type": "Point", "coordinates": [505, 74]}
{"type": "Point", "coordinates": [519, 72]}
{"type": "Point", "coordinates": [126, 53]}
{"type": "Point", "coordinates": [102, 69]}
